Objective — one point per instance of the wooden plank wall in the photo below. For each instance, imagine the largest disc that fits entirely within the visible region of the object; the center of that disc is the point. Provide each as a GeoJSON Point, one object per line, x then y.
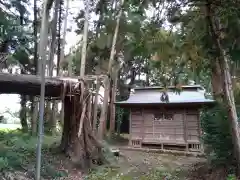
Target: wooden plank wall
{"type": "Point", "coordinates": [193, 126]}
{"type": "Point", "coordinates": [136, 123]}
{"type": "Point", "coordinates": [144, 127]}
{"type": "Point", "coordinates": [148, 129]}
{"type": "Point", "coordinates": [164, 130]}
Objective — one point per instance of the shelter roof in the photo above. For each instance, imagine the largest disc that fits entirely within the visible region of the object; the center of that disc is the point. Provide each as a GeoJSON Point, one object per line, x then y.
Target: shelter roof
{"type": "Point", "coordinates": [152, 95]}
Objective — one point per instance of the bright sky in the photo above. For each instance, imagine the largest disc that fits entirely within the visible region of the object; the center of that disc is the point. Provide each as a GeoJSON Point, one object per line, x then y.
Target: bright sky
{"type": "Point", "coordinates": [12, 101]}
{"type": "Point", "coordinates": [71, 37]}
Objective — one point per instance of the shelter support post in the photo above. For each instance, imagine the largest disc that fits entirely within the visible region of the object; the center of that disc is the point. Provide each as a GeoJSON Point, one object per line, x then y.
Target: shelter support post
{"type": "Point", "coordinates": [185, 129]}
{"type": "Point", "coordinates": [130, 128]}
{"type": "Point", "coordinates": [200, 132]}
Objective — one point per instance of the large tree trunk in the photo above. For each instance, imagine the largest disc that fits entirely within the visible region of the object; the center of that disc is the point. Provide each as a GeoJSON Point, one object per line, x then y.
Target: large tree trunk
{"type": "Point", "coordinates": [47, 117]}
{"type": "Point", "coordinates": [59, 36]}
{"type": "Point", "coordinates": [103, 116]}
{"type": "Point", "coordinates": [85, 36]}
{"type": "Point", "coordinates": [111, 74]}
{"type": "Point", "coordinates": [112, 103]}
{"type": "Point", "coordinates": [62, 45]}
{"type": "Point", "coordinates": [34, 115]}
{"type": "Point", "coordinates": [42, 54]}
{"type": "Point", "coordinates": [34, 100]}
{"type": "Point", "coordinates": [217, 80]}
{"type": "Point", "coordinates": [53, 120]}
{"type": "Point", "coordinates": [230, 102]}
{"type": "Point", "coordinates": [23, 110]}
{"type": "Point", "coordinates": [78, 140]}
{"type": "Point", "coordinates": [51, 111]}
{"type": "Point", "coordinates": [215, 27]}
{"type": "Point", "coordinates": [63, 42]}
{"type": "Point", "coordinates": [54, 35]}
{"type": "Point", "coordinates": [23, 113]}
{"type": "Point", "coordinates": [95, 106]}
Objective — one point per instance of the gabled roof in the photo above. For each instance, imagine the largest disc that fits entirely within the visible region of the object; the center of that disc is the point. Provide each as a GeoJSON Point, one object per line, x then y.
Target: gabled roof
{"type": "Point", "coordinates": [151, 95]}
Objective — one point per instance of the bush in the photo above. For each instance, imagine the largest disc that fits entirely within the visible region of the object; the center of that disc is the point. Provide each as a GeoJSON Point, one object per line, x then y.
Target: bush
{"type": "Point", "coordinates": [18, 153]}
{"type": "Point", "coordinates": [217, 136]}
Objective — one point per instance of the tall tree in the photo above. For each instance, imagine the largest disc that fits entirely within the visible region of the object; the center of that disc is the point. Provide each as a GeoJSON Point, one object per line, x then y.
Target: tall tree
{"type": "Point", "coordinates": [61, 48]}
{"type": "Point", "coordinates": [85, 37]}
{"type": "Point", "coordinates": [34, 112]}
{"type": "Point", "coordinates": [52, 120]}
{"type": "Point", "coordinates": [213, 14]}
{"type": "Point", "coordinates": [42, 57]}
{"type": "Point", "coordinates": [23, 111]}
{"type": "Point", "coordinates": [114, 75]}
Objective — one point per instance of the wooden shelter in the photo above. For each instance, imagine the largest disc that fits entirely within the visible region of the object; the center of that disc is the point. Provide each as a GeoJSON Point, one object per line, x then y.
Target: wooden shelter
{"type": "Point", "coordinates": [78, 142]}
{"type": "Point", "coordinates": [171, 124]}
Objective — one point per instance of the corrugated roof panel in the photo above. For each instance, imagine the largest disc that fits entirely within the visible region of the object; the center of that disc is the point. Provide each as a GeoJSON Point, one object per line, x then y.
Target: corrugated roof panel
{"type": "Point", "coordinates": [153, 97]}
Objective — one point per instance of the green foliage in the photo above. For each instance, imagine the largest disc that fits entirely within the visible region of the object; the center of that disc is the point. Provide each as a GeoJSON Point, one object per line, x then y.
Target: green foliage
{"type": "Point", "coordinates": [217, 136]}
{"type": "Point", "coordinates": [3, 163]}
{"type": "Point", "coordinates": [119, 117]}
{"type": "Point", "coordinates": [15, 34]}
{"type": "Point", "coordinates": [18, 152]}
{"type": "Point", "coordinates": [231, 177]}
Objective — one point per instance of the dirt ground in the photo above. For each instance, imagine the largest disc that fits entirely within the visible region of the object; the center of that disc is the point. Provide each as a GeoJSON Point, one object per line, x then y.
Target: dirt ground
{"type": "Point", "coordinates": [18, 160]}
{"type": "Point", "coordinates": [143, 161]}
{"type": "Point", "coordinates": [142, 165]}
{"type": "Point", "coordinates": [129, 165]}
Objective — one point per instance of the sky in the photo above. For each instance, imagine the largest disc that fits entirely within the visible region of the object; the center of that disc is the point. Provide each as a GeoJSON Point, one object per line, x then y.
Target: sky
{"type": "Point", "coordinates": [11, 101]}
{"type": "Point", "coordinates": [71, 37]}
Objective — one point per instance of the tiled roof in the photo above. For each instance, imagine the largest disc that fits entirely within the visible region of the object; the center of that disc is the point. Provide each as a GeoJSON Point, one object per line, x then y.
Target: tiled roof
{"type": "Point", "coordinates": [151, 95]}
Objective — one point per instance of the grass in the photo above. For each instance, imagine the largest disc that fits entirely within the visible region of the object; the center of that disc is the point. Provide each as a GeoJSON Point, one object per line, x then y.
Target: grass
{"type": "Point", "coordinates": [104, 173]}
{"type": "Point", "coordinates": [18, 153]}
{"type": "Point", "coordinates": [123, 169]}
{"type": "Point", "coordinates": [9, 126]}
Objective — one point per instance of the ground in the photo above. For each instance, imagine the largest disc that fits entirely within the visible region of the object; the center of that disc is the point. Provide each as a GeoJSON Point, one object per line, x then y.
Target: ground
{"type": "Point", "coordinates": [147, 166]}
{"type": "Point", "coordinates": [18, 159]}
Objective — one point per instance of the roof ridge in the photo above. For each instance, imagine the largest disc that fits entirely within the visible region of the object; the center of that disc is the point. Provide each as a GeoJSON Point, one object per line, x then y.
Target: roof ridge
{"type": "Point", "coordinates": [170, 87]}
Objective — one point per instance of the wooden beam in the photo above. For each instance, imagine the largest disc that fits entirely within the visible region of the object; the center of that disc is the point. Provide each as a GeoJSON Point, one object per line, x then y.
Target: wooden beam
{"type": "Point", "coordinates": [30, 84]}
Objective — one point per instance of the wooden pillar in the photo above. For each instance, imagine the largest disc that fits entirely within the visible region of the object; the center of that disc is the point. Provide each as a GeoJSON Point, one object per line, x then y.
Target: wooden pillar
{"type": "Point", "coordinates": [199, 131]}
{"type": "Point", "coordinates": [130, 128]}
{"type": "Point", "coordinates": [67, 120]}
{"type": "Point", "coordinates": [185, 129]}
{"type": "Point", "coordinates": [143, 126]}
{"type": "Point", "coordinates": [153, 128]}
